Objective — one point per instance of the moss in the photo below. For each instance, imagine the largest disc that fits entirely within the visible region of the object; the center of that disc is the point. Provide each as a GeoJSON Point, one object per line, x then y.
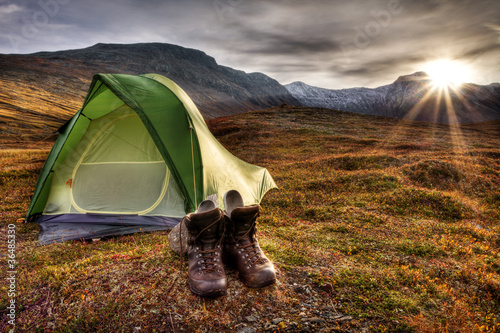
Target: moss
{"type": "Point", "coordinates": [419, 248]}
{"type": "Point", "coordinates": [431, 204]}
{"type": "Point", "coordinates": [348, 230]}
{"type": "Point", "coordinates": [434, 174]}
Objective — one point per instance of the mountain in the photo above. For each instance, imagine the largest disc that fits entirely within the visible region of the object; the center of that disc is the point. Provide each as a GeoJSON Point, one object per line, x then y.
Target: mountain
{"type": "Point", "coordinates": [40, 91]}
{"type": "Point", "coordinates": [410, 96]}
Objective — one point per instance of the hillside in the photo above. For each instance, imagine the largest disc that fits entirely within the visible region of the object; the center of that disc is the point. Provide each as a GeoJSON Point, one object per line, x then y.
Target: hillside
{"type": "Point", "coordinates": [379, 225]}
{"type": "Point", "coordinates": [39, 92]}
{"type": "Point", "coordinates": [409, 97]}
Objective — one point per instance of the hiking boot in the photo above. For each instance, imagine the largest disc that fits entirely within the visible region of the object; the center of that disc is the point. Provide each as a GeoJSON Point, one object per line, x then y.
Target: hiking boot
{"type": "Point", "coordinates": [178, 236]}
{"type": "Point", "coordinates": [206, 230]}
{"type": "Point", "coordinates": [241, 248]}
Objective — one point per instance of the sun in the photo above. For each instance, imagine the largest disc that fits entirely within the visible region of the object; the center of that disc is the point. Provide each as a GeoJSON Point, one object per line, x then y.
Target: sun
{"type": "Point", "coordinates": [446, 73]}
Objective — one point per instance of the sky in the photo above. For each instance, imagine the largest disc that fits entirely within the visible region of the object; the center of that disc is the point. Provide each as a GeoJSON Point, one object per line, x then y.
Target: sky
{"type": "Point", "coordinates": [326, 43]}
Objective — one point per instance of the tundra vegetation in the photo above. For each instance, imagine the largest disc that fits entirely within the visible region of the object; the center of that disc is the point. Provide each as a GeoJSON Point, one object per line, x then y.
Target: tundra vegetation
{"type": "Point", "coordinates": [378, 225]}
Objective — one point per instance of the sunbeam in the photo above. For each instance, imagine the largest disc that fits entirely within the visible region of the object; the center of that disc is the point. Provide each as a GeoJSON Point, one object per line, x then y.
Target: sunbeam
{"type": "Point", "coordinates": [435, 96]}
{"type": "Point", "coordinates": [447, 73]}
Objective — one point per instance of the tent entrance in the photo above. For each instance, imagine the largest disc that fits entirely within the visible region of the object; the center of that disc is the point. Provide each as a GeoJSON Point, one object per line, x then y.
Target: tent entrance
{"type": "Point", "coordinates": [115, 169]}
{"type": "Point", "coordinates": [114, 188]}
{"type": "Point", "coordinates": [121, 171]}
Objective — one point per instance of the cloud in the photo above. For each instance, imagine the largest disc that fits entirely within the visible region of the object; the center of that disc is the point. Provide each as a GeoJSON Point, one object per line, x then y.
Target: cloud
{"type": "Point", "coordinates": [494, 28]}
{"type": "Point", "coordinates": [282, 43]}
{"type": "Point", "coordinates": [480, 51]}
{"type": "Point", "coordinates": [289, 40]}
{"type": "Point", "coordinates": [9, 9]}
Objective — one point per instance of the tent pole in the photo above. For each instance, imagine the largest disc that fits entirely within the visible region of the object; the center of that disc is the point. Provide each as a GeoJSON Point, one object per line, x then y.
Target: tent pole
{"type": "Point", "coordinates": [194, 173]}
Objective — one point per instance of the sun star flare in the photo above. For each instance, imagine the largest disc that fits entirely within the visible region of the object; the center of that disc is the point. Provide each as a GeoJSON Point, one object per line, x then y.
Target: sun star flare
{"type": "Point", "coordinates": [445, 73]}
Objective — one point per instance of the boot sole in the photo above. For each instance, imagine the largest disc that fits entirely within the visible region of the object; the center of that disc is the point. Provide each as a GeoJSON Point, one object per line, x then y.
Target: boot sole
{"type": "Point", "coordinates": [212, 293]}
{"type": "Point", "coordinates": [261, 284]}
{"type": "Point", "coordinates": [231, 263]}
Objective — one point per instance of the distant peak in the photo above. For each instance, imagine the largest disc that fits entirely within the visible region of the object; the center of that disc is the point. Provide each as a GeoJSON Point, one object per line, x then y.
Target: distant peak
{"type": "Point", "coordinates": [301, 85]}
{"type": "Point", "coordinates": [149, 52]}
{"type": "Point", "coordinates": [417, 76]}
{"type": "Point", "coordinates": [297, 83]}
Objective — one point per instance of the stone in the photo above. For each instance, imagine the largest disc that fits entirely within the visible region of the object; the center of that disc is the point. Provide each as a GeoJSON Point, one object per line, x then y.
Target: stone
{"type": "Point", "coordinates": [174, 240]}
{"type": "Point", "coordinates": [272, 328]}
{"type": "Point", "coordinates": [276, 321]}
{"type": "Point", "coordinates": [251, 318]}
{"type": "Point", "coordinates": [316, 320]}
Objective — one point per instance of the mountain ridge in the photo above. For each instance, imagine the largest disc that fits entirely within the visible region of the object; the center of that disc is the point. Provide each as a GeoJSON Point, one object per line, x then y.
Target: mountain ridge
{"type": "Point", "coordinates": [409, 96]}
{"type": "Point", "coordinates": [39, 90]}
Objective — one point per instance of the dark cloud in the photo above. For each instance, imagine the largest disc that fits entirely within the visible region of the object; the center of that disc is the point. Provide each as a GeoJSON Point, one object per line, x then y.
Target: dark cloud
{"type": "Point", "coordinates": [322, 42]}
{"type": "Point", "coordinates": [480, 51]}
{"type": "Point", "coordinates": [376, 67]}
{"type": "Point", "coordinates": [275, 43]}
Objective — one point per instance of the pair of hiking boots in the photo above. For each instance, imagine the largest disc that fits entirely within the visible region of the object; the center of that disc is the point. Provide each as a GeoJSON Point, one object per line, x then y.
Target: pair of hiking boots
{"type": "Point", "coordinates": [216, 237]}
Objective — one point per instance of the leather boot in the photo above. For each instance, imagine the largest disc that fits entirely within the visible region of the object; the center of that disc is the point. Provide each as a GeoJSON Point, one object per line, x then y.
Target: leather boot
{"type": "Point", "coordinates": [206, 231]}
{"type": "Point", "coordinates": [241, 248]}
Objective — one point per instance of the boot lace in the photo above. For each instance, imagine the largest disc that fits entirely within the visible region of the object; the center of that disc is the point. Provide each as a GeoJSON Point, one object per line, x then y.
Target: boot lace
{"type": "Point", "coordinates": [251, 251]}
{"type": "Point", "coordinates": [207, 258]}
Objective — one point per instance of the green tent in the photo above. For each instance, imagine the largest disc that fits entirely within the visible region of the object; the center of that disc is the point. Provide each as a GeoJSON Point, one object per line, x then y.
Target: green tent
{"type": "Point", "coordinates": [137, 157]}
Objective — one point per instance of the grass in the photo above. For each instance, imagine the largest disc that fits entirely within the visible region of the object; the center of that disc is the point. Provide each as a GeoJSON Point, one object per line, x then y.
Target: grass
{"type": "Point", "coordinates": [379, 225]}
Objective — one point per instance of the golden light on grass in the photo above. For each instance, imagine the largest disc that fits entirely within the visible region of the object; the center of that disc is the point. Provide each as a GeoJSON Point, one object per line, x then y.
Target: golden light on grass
{"type": "Point", "coordinates": [445, 78]}
{"type": "Point", "coordinates": [389, 236]}
{"type": "Point", "coordinates": [439, 93]}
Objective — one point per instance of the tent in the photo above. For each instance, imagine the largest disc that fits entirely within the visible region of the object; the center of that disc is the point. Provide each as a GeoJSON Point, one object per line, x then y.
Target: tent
{"type": "Point", "coordinates": [136, 157]}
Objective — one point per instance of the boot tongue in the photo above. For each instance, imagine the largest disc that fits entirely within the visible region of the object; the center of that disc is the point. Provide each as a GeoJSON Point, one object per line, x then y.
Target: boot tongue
{"type": "Point", "coordinates": [206, 222]}
{"type": "Point", "coordinates": [245, 229]}
{"type": "Point", "coordinates": [243, 218]}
